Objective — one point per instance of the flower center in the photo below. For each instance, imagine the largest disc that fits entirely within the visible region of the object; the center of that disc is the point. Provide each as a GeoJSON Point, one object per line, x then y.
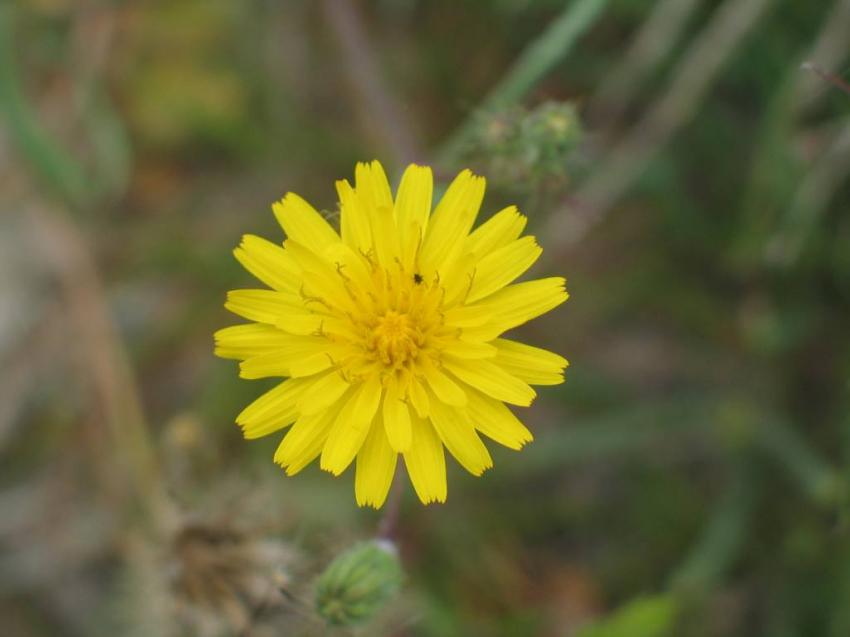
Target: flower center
{"type": "Point", "coordinates": [395, 339]}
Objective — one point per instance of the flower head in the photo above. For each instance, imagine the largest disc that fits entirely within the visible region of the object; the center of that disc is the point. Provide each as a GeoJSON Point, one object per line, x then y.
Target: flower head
{"type": "Point", "coordinates": [388, 332]}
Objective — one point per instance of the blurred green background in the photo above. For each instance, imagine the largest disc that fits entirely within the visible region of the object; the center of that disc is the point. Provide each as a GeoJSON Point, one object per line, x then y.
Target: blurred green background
{"type": "Point", "coordinates": [678, 166]}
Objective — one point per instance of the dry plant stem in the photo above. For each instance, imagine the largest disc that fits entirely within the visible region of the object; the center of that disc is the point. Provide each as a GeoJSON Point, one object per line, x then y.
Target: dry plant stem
{"type": "Point", "coordinates": [691, 80]}
{"type": "Point", "coordinates": [380, 110]}
{"type": "Point", "coordinates": [134, 463]}
{"type": "Point", "coordinates": [551, 47]}
{"type": "Point", "coordinates": [656, 37]}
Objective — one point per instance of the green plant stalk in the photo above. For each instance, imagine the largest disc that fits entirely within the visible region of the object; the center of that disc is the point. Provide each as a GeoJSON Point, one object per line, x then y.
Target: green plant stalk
{"type": "Point", "coordinates": [51, 163]}
{"type": "Point", "coordinates": [538, 59]}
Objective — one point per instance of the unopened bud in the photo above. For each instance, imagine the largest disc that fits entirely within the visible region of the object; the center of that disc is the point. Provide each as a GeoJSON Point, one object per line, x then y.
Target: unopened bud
{"type": "Point", "coordinates": [358, 583]}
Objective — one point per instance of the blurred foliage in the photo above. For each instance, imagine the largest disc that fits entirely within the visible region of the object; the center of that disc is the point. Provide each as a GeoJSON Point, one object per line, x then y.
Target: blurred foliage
{"type": "Point", "coordinates": [689, 479]}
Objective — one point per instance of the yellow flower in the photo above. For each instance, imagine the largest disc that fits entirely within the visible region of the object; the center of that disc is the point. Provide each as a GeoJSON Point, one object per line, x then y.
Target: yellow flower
{"type": "Point", "coordinates": [389, 332]}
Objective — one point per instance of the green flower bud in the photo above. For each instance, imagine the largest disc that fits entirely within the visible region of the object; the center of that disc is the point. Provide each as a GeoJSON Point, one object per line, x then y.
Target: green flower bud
{"type": "Point", "coordinates": [358, 583]}
{"type": "Point", "coordinates": [523, 147]}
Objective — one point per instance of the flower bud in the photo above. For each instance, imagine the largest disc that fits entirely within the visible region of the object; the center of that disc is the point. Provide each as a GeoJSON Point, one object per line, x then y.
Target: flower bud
{"type": "Point", "coordinates": [358, 583]}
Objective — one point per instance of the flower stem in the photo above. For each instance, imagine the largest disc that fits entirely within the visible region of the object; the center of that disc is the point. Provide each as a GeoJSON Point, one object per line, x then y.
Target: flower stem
{"type": "Point", "coordinates": [388, 525]}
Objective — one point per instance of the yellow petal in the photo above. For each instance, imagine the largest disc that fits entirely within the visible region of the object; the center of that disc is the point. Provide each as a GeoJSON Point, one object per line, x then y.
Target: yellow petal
{"type": "Point", "coordinates": [376, 462]}
{"type": "Point", "coordinates": [263, 306]}
{"type": "Point", "coordinates": [468, 349]}
{"type": "Point", "coordinates": [385, 237]}
{"type": "Point", "coordinates": [496, 421]}
{"type": "Point", "coordinates": [459, 436]}
{"type": "Point", "coordinates": [444, 388]}
{"type": "Point", "coordinates": [291, 355]}
{"type": "Point", "coordinates": [426, 462]}
{"type": "Point", "coordinates": [499, 230]}
{"type": "Point", "coordinates": [376, 202]}
{"type": "Point", "coordinates": [273, 410]}
{"type": "Point", "coordinates": [533, 365]}
{"type": "Point", "coordinates": [466, 316]}
{"type": "Point", "coordinates": [351, 427]}
{"type": "Point", "coordinates": [354, 219]}
{"type": "Point", "coordinates": [457, 278]}
{"type": "Point", "coordinates": [268, 262]}
{"type": "Point", "coordinates": [325, 391]}
{"type": "Point", "coordinates": [413, 204]}
{"type": "Point", "coordinates": [502, 266]}
{"type": "Point", "coordinates": [372, 186]}
{"type": "Point", "coordinates": [300, 322]}
{"type": "Point", "coordinates": [302, 223]}
{"type": "Point", "coordinates": [311, 365]}
{"type": "Point", "coordinates": [418, 397]}
{"type": "Point", "coordinates": [322, 286]}
{"type": "Point", "coordinates": [451, 221]}
{"type": "Point", "coordinates": [491, 379]}
{"type": "Point", "coordinates": [350, 265]}
{"type": "Point", "coordinates": [514, 305]}
{"type": "Point", "coordinates": [248, 339]}
{"type": "Point", "coordinates": [303, 443]}
{"type": "Point", "coordinates": [396, 417]}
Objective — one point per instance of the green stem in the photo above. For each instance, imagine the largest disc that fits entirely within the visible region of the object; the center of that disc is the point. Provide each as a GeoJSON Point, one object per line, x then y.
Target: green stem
{"type": "Point", "coordinates": [537, 60]}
